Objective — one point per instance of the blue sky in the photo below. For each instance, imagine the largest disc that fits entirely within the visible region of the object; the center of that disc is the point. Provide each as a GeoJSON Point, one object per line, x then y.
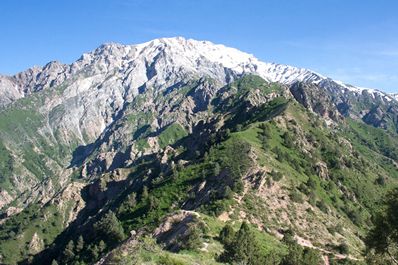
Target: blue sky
{"type": "Point", "coordinates": [355, 41]}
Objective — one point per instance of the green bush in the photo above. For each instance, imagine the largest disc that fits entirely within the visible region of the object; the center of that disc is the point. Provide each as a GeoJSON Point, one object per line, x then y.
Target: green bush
{"type": "Point", "coordinates": [296, 196]}
{"type": "Point", "coordinates": [276, 175]}
{"type": "Point", "coordinates": [227, 235]}
{"type": "Point", "coordinates": [288, 140]}
{"type": "Point", "coordinates": [343, 248]}
{"type": "Point", "coordinates": [169, 260]}
{"type": "Point", "coordinates": [322, 206]}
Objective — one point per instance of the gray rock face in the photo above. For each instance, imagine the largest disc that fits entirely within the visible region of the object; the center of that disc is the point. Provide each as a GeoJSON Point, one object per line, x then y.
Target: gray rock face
{"type": "Point", "coordinates": [315, 99]}
{"type": "Point", "coordinates": [375, 117]}
{"type": "Point", "coordinates": [32, 80]}
{"type": "Point", "coordinates": [333, 100]}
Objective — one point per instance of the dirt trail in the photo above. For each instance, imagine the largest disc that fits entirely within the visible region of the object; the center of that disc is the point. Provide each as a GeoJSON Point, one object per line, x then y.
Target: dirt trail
{"type": "Point", "coordinates": [225, 215]}
{"type": "Point", "coordinates": [306, 243]}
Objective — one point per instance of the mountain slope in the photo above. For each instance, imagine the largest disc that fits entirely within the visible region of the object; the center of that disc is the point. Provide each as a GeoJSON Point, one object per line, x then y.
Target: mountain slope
{"type": "Point", "coordinates": [78, 103]}
{"type": "Point", "coordinates": [294, 150]}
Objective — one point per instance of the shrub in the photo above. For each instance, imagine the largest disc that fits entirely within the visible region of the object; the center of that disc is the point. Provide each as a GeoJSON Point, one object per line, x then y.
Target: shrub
{"type": "Point", "coordinates": [294, 256]}
{"type": "Point", "coordinates": [276, 175]}
{"type": "Point", "coordinates": [335, 229]}
{"type": "Point", "coordinates": [311, 257]}
{"type": "Point", "coordinates": [343, 248]}
{"type": "Point", "coordinates": [311, 183]}
{"type": "Point", "coordinates": [288, 140]}
{"type": "Point", "coordinates": [296, 196]}
{"type": "Point", "coordinates": [169, 260]}
{"type": "Point", "coordinates": [381, 181]}
{"type": "Point", "coordinates": [227, 234]}
{"type": "Point", "coordinates": [322, 206]}
{"type": "Point", "coordinates": [312, 198]}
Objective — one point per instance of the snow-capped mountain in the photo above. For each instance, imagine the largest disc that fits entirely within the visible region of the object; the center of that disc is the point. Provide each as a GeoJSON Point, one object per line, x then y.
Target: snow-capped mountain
{"type": "Point", "coordinates": [160, 62]}
{"type": "Point", "coordinates": [84, 103]}
{"type": "Point", "coordinates": [394, 95]}
{"type": "Point", "coordinates": [81, 139]}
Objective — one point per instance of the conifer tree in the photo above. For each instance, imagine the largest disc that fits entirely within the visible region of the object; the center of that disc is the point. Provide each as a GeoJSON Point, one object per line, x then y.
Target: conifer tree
{"type": "Point", "coordinates": [79, 244]}
{"type": "Point", "coordinates": [227, 234]}
{"type": "Point", "coordinates": [69, 253]}
{"type": "Point", "coordinates": [109, 228]}
{"type": "Point", "coordinates": [145, 193]}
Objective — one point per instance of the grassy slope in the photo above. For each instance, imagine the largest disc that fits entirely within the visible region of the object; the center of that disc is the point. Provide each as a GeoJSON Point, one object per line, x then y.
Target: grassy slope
{"type": "Point", "coordinates": [359, 177]}
{"type": "Point", "coordinates": [17, 232]}
{"type": "Point", "coordinates": [25, 147]}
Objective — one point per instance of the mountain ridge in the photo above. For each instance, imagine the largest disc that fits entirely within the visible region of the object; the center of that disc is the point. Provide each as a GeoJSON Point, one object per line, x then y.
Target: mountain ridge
{"type": "Point", "coordinates": [129, 134]}
{"type": "Point", "coordinates": [32, 79]}
{"type": "Point", "coordinates": [91, 94]}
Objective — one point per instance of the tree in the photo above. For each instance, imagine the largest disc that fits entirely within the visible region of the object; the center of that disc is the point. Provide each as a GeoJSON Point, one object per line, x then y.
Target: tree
{"type": "Point", "coordinates": [280, 155]}
{"type": "Point", "coordinates": [311, 183]}
{"type": "Point", "coordinates": [101, 246]}
{"type": "Point", "coordinates": [297, 255]}
{"type": "Point", "coordinates": [153, 202]}
{"type": "Point", "coordinates": [381, 181]}
{"type": "Point", "coordinates": [94, 253]}
{"type": "Point", "coordinates": [109, 228]}
{"type": "Point", "coordinates": [343, 248]}
{"type": "Point", "coordinates": [145, 193]}
{"type": "Point", "coordinates": [216, 169]}
{"type": "Point", "coordinates": [244, 249]}
{"type": "Point", "coordinates": [228, 193]}
{"type": "Point", "coordinates": [227, 133]}
{"type": "Point", "coordinates": [311, 257]}
{"type": "Point", "coordinates": [276, 175]}
{"type": "Point", "coordinates": [264, 135]}
{"type": "Point", "coordinates": [79, 244]}
{"type": "Point", "coordinates": [288, 237]}
{"type": "Point", "coordinates": [227, 234]}
{"type": "Point", "coordinates": [288, 140]}
{"type": "Point", "coordinates": [131, 200]}
{"type": "Point", "coordinates": [383, 237]}
{"type": "Point", "coordinates": [69, 253]}
{"type": "Point", "coordinates": [294, 256]}
{"type": "Point", "coordinates": [193, 242]}
{"type": "Point", "coordinates": [265, 130]}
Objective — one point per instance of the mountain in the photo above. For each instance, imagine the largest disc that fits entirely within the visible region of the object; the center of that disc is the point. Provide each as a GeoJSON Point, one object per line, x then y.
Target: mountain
{"type": "Point", "coordinates": [170, 135]}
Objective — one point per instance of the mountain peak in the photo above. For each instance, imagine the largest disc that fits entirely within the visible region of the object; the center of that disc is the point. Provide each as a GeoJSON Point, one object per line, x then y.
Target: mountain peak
{"type": "Point", "coordinates": [163, 60]}
{"type": "Point", "coordinates": [190, 48]}
{"type": "Point", "coordinates": [196, 56]}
